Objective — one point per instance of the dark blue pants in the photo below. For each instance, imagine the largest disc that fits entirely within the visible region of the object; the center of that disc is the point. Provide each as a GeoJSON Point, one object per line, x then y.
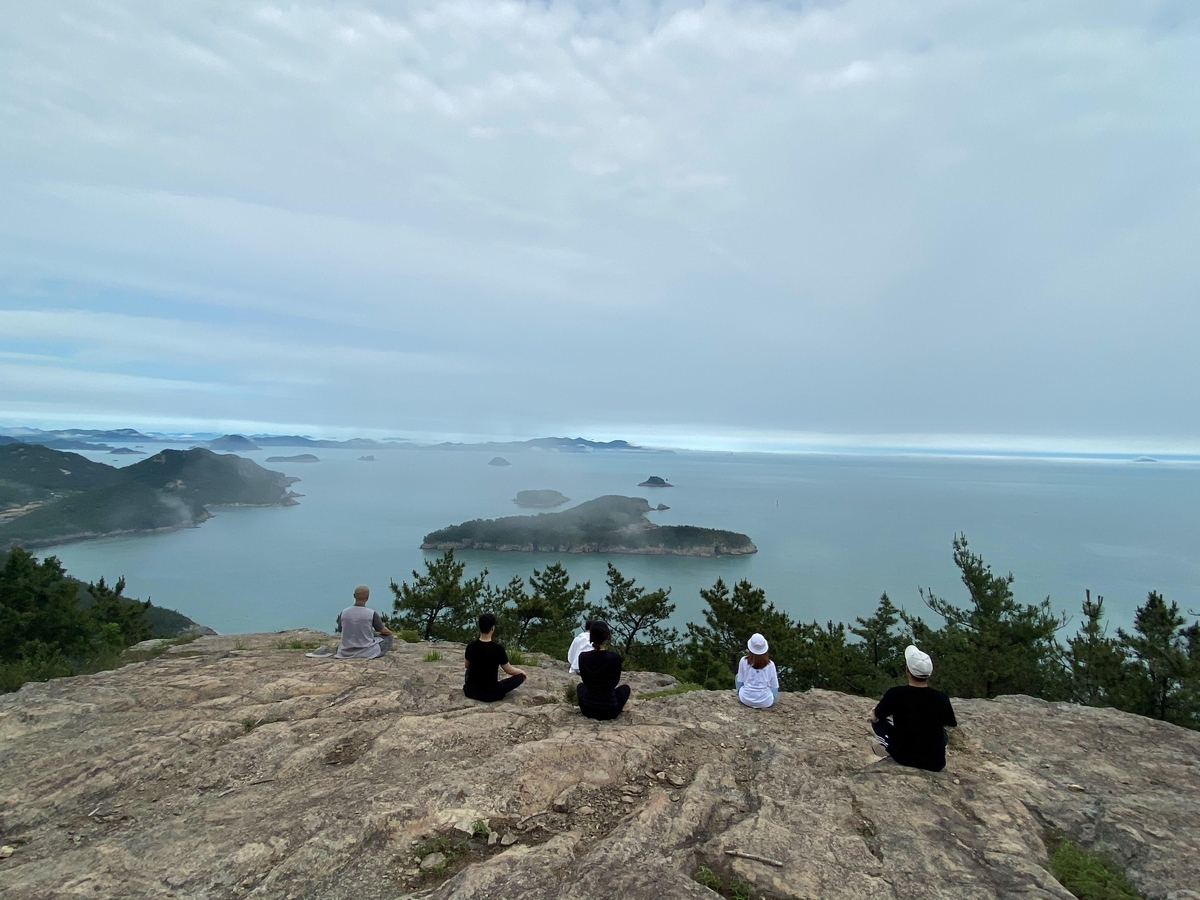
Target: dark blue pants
{"type": "Point", "coordinates": [608, 708]}
{"type": "Point", "coordinates": [499, 692]}
{"type": "Point", "coordinates": [884, 727]}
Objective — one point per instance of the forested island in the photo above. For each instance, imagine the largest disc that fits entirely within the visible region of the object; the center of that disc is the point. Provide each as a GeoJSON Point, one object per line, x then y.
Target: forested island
{"type": "Point", "coordinates": [50, 496]}
{"type": "Point", "coordinates": [611, 524]}
{"type": "Point", "coordinates": [540, 499]}
{"type": "Point", "coordinates": [298, 458]}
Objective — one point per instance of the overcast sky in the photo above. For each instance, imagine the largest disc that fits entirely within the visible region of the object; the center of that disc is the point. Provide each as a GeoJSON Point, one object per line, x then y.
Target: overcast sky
{"type": "Point", "coordinates": [704, 222]}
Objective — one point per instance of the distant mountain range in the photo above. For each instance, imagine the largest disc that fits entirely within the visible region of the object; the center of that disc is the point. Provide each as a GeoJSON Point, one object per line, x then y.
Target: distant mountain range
{"type": "Point", "coordinates": [95, 439]}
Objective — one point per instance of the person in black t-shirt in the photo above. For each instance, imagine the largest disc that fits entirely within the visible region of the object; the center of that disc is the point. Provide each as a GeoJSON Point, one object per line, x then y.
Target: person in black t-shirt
{"type": "Point", "coordinates": [916, 735]}
{"type": "Point", "coordinates": [484, 658]}
{"type": "Point", "coordinates": [600, 695]}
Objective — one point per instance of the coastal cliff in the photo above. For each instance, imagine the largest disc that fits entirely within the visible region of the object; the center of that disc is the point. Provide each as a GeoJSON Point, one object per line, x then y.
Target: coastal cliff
{"type": "Point", "coordinates": [235, 766]}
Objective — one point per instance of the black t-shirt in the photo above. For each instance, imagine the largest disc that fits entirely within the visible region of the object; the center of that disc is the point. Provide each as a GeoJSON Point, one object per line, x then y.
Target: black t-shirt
{"type": "Point", "coordinates": [601, 673]}
{"type": "Point", "coordinates": [920, 715]}
{"type": "Point", "coordinates": [485, 658]}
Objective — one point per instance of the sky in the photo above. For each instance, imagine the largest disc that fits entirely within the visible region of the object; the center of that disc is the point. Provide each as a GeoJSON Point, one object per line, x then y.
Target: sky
{"type": "Point", "coordinates": [713, 224]}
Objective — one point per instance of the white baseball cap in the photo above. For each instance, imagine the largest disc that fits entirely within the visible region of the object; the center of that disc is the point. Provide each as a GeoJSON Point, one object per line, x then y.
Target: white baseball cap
{"type": "Point", "coordinates": [757, 644]}
{"type": "Point", "coordinates": [918, 662]}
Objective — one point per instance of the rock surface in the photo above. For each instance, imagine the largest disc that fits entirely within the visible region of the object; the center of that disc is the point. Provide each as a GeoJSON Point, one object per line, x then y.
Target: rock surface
{"type": "Point", "coordinates": [230, 768]}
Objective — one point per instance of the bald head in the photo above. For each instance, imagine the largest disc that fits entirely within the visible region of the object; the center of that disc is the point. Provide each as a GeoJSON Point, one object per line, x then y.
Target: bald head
{"type": "Point", "coordinates": [361, 594]}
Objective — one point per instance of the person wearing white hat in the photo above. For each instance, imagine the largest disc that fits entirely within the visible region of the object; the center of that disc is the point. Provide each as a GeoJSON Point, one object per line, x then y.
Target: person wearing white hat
{"type": "Point", "coordinates": [916, 735]}
{"type": "Point", "coordinates": [757, 682]}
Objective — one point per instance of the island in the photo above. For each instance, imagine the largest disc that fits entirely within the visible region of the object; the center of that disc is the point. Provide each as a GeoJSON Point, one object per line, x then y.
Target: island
{"type": "Point", "coordinates": [299, 457]}
{"type": "Point", "coordinates": [498, 461]}
{"type": "Point", "coordinates": [661, 507]}
{"type": "Point", "coordinates": [655, 481]}
{"type": "Point", "coordinates": [540, 499]}
{"type": "Point", "coordinates": [370, 457]}
{"type": "Point", "coordinates": [126, 451]}
{"type": "Point", "coordinates": [610, 524]}
{"type": "Point", "coordinates": [229, 442]}
{"type": "Point", "coordinates": [52, 497]}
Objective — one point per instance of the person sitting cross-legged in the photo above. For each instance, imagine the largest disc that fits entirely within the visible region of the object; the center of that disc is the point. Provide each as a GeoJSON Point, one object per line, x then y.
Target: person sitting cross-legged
{"type": "Point", "coordinates": [364, 636]}
{"type": "Point", "coordinates": [916, 735]}
{"type": "Point", "coordinates": [600, 694]}
{"type": "Point", "coordinates": [484, 658]}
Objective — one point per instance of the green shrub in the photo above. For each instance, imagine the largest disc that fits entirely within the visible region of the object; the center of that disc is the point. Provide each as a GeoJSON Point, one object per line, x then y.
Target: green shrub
{"type": "Point", "coordinates": [516, 658]}
{"type": "Point", "coordinates": [1089, 875]}
{"type": "Point", "coordinates": [409, 636]}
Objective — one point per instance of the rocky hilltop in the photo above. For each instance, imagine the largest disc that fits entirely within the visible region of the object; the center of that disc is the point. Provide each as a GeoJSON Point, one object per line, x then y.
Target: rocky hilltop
{"type": "Point", "coordinates": [236, 767]}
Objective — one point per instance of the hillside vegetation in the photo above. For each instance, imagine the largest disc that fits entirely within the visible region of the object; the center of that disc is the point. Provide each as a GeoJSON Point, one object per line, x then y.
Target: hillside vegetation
{"type": "Point", "coordinates": [80, 499]}
{"type": "Point", "coordinates": [53, 625]}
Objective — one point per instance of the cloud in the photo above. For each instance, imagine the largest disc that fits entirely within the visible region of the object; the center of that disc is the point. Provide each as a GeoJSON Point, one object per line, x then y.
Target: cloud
{"type": "Point", "coordinates": [868, 216]}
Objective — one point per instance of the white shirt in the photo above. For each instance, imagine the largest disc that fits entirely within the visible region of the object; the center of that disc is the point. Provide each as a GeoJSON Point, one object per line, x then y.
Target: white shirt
{"type": "Point", "coordinates": [581, 644]}
{"type": "Point", "coordinates": [756, 684]}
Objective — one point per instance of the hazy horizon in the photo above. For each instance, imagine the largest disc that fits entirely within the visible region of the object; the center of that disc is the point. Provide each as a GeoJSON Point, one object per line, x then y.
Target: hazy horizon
{"type": "Point", "coordinates": [730, 224]}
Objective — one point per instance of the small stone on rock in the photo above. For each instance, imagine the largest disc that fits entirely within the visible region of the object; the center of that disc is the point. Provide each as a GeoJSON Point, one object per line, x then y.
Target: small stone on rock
{"type": "Point", "coordinates": [508, 840]}
{"type": "Point", "coordinates": [493, 838]}
{"type": "Point", "coordinates": [6, 851]}
{"type": "Point", "coordinates": [676, 780]}
{"type": "Point", "coordinates": [433, 861]}
{"type": "Point", "coordinates": [585, 811]}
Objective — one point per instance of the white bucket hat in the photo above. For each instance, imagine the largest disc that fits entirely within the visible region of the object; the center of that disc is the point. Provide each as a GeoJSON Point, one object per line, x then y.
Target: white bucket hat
{"type": "Point", "coordinates": [757, 644]}
{"type": "Point", "coordinates": [918, 662]}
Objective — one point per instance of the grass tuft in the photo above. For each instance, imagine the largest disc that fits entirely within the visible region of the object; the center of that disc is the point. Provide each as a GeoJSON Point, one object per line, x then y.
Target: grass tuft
{"type": "Point", "coordinates": [684, 688]}
{"type": "Point", "coordinates": [733, 888]}
{"type": "Point", "coordinates": [296, 644]}
{"type": "Point", "coordinates": [1089, 875]}
{"type": "Point", "coordinates": [516, 658]}
{"type": "Point", "coordinates": [571, 694]}
{"type": "Point", "coordinates": [432, 656]}
{"type": "Point", "coordinates": [250, 723]}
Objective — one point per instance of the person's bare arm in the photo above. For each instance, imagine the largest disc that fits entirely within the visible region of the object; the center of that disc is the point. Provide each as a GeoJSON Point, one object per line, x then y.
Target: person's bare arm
{"type": "Point", "coordinates": [512, 670]}
{"type": "Point", "coordinates": [384, 630]}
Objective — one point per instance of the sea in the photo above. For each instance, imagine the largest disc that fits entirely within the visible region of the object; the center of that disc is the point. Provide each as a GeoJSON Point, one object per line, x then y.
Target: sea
{"type": "Point", "coordinates": [833, 531]}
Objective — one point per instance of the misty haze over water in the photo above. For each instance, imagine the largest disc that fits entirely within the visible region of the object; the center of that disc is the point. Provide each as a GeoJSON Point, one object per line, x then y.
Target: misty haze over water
{"type": "Point", "coordinates": [833, 532]}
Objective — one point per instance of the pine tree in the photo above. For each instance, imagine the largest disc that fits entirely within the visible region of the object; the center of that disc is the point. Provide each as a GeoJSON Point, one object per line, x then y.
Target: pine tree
{"type": "Point", "coordinates": [439, 603]}
{"type": "Point", "coordinates": [553, 610]}
{"type": "Point", "coordinates": [882, 647]}
{"type": "Point", "coordinates": [635, 616]}
{"type": "Point", "coordinates": [994, 645]}
{"type": "Point", "coordinates": [1095, 663]}
{"type": "Point", "coordinates": [1165, 655]}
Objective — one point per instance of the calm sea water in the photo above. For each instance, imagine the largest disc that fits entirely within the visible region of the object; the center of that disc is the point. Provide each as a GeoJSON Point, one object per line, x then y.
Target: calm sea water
{"type": "Point", "coordinates": [833, 532]}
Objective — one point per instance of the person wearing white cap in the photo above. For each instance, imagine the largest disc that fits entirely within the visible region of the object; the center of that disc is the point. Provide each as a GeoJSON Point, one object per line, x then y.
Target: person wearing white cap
{"type": "Point", "coordinates": [916, 735]}
{"type": "Point", "coordinates": [757, 682]}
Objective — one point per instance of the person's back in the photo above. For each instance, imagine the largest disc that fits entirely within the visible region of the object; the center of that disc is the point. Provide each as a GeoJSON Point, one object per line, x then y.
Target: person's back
{"type": "Point", "coordinates": [484, 659]}
{"type": "Point", "coordinates": [358, 625]}
{"type": "Point", "coordinates": [757, 682]}
{"type": "Point", "coordinates": [920, 715]}
{"type": "Point", "coordinates": [601, 695]}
